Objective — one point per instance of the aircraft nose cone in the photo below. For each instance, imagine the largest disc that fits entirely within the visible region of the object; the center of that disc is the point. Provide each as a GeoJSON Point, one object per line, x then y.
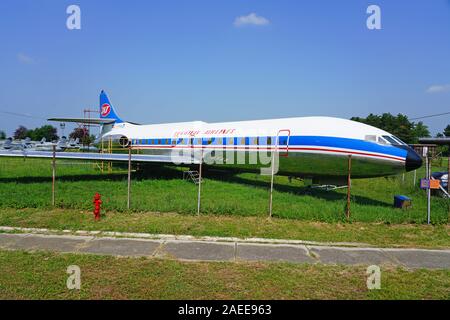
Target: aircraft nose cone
{"type": "Point", "coordinates": [413, 160]}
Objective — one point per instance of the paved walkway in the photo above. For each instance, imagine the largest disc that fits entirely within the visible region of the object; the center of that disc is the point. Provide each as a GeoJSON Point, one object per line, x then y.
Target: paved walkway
{"type": "Point", "coordinates": [201, 250]}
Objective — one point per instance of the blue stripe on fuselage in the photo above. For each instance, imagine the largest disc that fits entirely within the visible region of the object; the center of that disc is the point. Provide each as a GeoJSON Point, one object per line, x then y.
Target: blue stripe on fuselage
{"type": "Point", "coordinates": [347, 143]}
{"type": "Point", "coordinates": [296, 141]}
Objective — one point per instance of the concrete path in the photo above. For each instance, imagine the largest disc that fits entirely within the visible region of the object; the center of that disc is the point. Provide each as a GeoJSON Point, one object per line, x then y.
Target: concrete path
{"type": "Point", "coordinates": [200, 250]}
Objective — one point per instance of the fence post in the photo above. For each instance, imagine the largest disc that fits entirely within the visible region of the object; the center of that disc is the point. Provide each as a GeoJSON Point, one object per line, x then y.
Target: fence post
{"type": "Point", "coordinates": [129, 177]}
{"type": "Point", "coordinates": [199, 182]}
{"type": "Point", "coordinates": [53, 174]}
{"type": "Point", "coordinates": [271, 185]}
{"type": "Point", "coordinates": [349, 184]}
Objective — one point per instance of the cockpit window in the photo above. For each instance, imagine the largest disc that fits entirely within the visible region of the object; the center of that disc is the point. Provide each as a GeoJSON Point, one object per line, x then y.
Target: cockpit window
{"type": "Point", "coordinates": [394, 140]}
{"type": "Point", "coordinates": [399, 141]}
{"type": "Point", "coordinates": [370, 138]}
{"type": "Point", "coordinates": [391, 140]}
{"type": "Point", "coordinates": [382, 141]}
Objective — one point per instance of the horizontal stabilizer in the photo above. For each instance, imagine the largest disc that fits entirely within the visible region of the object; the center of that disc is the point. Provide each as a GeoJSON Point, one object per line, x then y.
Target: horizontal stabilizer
{"type": "Point", "coordinates": [83, 120]}
{"type": "Point", "coordinates": [99, 156]}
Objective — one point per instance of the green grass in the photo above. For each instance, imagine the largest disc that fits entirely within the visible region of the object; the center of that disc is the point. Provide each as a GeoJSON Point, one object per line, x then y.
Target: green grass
{"type": "Point", "coordinates": [377, 234]}
{"type": "Point", "coordinates": [27, 184]}
{"type": "Point", "coordinates": [42, 275]}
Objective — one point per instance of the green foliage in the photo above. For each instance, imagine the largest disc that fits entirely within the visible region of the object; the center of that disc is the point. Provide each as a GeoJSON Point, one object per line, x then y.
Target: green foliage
{"type": "Point", "coordinates": [447, 131]}
{"type": "Point", "coordinates": [48, 132]}
{"type": "Point", "coordinates": [42, 275]}
{"type": "Point", "coordinates": [420, 130]}
{"type": "Point", "coordinates": [78, 133]}
{"type": "Point", "coordinates": [161, 189]}
{"type": "Point", "coordinates": [88, 139]}
{"type": "Point", "coordinates": [82, 135]}
{"type": "Point", "coordinates": [399, 126]}
{"type": "Point", "coordinates": [2, 135]}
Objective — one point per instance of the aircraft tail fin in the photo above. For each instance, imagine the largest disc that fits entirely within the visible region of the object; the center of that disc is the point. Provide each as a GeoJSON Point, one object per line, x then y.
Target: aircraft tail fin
{"type": "Point", "coordinates": [108, 115]}
{"type": "Point", "coordinates": [106, 109]}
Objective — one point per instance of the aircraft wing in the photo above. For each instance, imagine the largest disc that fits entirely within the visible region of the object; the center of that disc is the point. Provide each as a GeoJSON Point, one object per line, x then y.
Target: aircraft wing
{"type": "Point", "coordinates": [83, 120]}
{"type": "Point", "coordinates": [99, 156]}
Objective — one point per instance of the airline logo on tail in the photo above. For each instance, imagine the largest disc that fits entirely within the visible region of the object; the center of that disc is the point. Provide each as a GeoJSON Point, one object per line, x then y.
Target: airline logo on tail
{"type": "Point", "coordinates": [106, 109]}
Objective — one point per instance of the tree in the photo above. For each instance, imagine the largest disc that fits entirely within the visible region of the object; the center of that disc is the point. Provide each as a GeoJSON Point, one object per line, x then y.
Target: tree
{"type": "Point", "coordinates": [420, 131]}
{"type": "Point", "coordinates": [78, 133]}
{"type": "Point", "coordinates": [48, 132]}
{"type": "Point", "coordinates": [20, 133]}
{"type": "Point", "coordinates": [2, 135]}
{"type": "Point", "coordinates": [447, 131]}
{"type": "Point", "coordinates": [83, 135]}
{"type": "Point", "coordinates": [88, 139]}
{"type": "Point", "coordinates": [399, 126]}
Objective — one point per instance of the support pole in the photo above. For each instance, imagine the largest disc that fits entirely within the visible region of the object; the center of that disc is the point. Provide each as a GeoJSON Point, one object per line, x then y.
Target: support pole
{"type": "Point", "coordinates": [349, 185]}
{"type": "Point", "coordinates": [448, 180]}
{"type": "Point", "coordinates": [129, 178]}
{"type": "Point", "coordinates": [53, 174]}
{"type": "Point", "coordinates": [199, 183]}
{"type": "Point", "coordinates": [448, 171]}
{"type": "Point", "coordinates": [428, 168]}
{"type": "Point", "coordinates": [415, 178]}
{"type": "Point", "coordinates": [271, 184]}
{"type": "Point", "coordinates": [102, 151]}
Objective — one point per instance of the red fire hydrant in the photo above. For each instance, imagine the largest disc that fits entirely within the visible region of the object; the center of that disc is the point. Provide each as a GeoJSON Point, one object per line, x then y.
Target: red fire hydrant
{"type": "Point", "coordinates": [97, 206]}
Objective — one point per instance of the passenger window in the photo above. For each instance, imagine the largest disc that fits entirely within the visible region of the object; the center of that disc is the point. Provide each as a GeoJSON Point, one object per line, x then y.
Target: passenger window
{"type": "Point", "coordinates": [231, 141]}
{"type": "Point", "coordinates": [269, 141]}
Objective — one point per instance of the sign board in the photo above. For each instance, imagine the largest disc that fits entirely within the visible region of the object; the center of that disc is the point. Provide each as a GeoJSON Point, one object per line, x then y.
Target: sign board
{"type": "Point", "coordinates": [435, 184]}
{"type": "Point", "coordinates": [424, 151]}
{"type": "Point", "coordinates": [429, 184]}
{"type": "Point", "coordinates": [424, 184]}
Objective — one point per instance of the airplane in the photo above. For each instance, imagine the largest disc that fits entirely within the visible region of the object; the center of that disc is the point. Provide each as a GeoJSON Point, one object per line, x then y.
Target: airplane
{"type": "Point", "coordinates": [73, 144]}
{"type": "Point", "coordinates": [60, 145]}
{"type": "Point", "coordinates": [9, 144]}
{"type": "Point", "coordinates": [308, 147]}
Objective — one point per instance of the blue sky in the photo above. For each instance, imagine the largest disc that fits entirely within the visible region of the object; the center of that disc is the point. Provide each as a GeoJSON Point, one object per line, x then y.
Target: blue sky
{"type": "Point", "coordinates": [166, 61]}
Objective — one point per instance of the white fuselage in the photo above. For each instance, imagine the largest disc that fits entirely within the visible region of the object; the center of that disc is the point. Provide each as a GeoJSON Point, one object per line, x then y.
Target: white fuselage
{"type": "Point", "coordinates": [309, 146]}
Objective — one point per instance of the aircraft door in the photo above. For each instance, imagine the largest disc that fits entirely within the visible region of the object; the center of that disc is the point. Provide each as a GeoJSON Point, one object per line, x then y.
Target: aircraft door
{"type": "Point", "coordinates": [282, 142]}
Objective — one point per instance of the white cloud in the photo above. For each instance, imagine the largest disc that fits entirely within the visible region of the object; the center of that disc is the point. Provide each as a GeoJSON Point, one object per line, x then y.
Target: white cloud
{"type": "Point", "coordinates": [251, 19]}
{"type": "Point", "coordinates": [439, 88]}
{"type": "Point", "coordinates": [23, 58]}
